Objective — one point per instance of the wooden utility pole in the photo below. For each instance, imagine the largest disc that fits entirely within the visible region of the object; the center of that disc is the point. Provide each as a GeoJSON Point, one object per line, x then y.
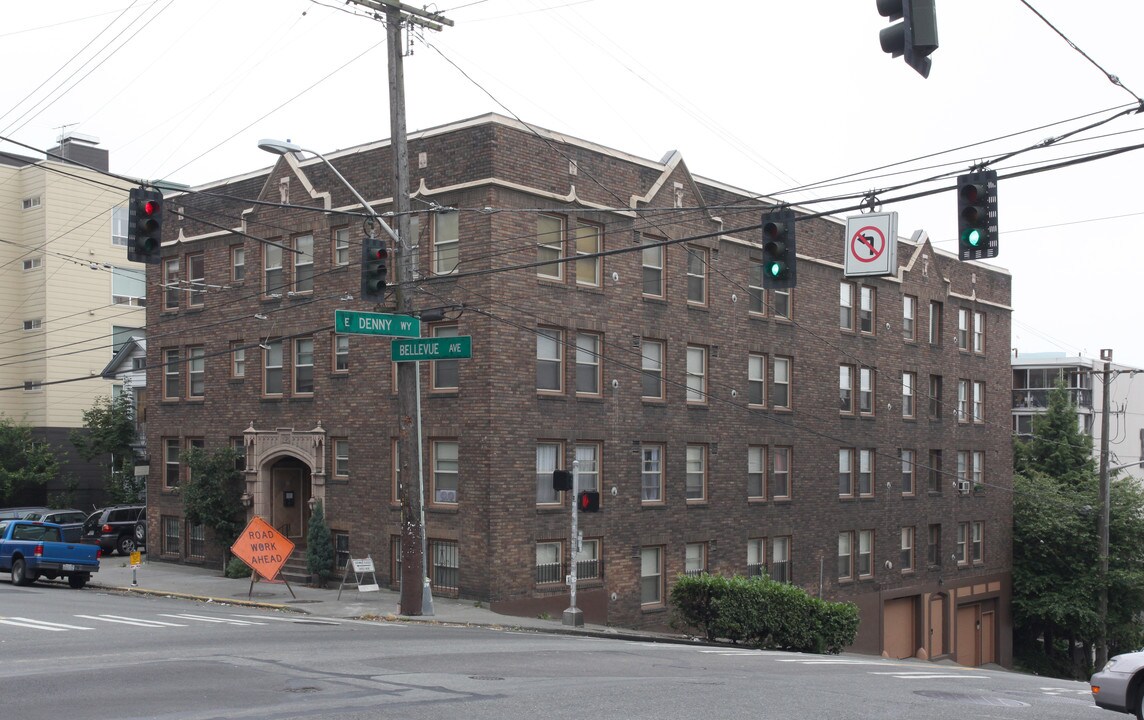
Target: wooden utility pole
{"type": "Point", "coordinates": [414, 585]}
{"type": "Point", "coordinates": [1105, 509]}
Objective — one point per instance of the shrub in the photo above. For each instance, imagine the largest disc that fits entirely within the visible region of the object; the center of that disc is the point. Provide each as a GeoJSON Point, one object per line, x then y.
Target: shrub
{"type": "Point", "coordinates": [319, 548]}
{"type": "Point", "coordinates": [237, 569]}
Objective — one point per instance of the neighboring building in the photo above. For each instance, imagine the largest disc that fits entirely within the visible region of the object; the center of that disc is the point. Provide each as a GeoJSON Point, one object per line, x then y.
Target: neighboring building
{"type": "Point", "coordinates": [128, 370]}
{"type": "Point", "coordinates": [69, 294]}
{"type": "Point", "coordinates": [705, 409]}
{"type": "Point", "coordinates": [1034, 374]}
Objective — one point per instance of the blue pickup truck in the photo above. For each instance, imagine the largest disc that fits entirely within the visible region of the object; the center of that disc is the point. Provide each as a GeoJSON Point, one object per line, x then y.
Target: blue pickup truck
{"type": "Point", "coordinates": [31, 550]}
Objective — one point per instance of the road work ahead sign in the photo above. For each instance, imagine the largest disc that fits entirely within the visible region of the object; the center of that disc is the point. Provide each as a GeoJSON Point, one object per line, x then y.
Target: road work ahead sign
{"type": "Point", "coordinates": [263, 548]}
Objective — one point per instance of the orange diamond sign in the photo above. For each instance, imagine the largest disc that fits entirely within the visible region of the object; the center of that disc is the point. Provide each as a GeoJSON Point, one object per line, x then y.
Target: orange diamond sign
{"type": "Point", "coordinates": [263, 548]}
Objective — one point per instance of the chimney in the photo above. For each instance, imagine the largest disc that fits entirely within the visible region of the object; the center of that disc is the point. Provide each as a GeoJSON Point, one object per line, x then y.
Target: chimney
{"type": "Point", "coordinates": [81, 150]}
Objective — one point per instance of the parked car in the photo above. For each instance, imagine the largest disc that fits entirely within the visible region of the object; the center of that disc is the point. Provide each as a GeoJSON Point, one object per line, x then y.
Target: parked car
{"type": "Point", "coordinates": [71, 520]}
{"type": "Point", "coordinates": [114, 528]}
{"type": "Point", "coordinates": [18, 513]}
{"type": "Point", "coordinates": [1119, 685]}
{"type": "Point", "coordinates": [32, 550]}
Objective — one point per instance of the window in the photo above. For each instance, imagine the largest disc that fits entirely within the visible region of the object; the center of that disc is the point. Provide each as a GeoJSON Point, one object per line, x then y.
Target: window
{"type": "Point", "coordinates": [171, 462]}
{"type": "Point", "coordinates": [846, 306]}
{"type": "Point", "coordinates": [962, 329]}
{"type": "Point", "coordinates": [341, 247]}
{"type": "Point", "coordinates": [935, 397]}
{"type": "Point", "coordinates": [171, 370]}
{"type": "Point", "coordinates": [588, 560]}
{"type": "Point", "coordinates": [845, 555]}
{"type": "Point", "coordinates": [933, 549]}
{"type": "Point", "coordinates": [976, 543]}
{"type": "Point", "coordinates": [695, 559]}
{"type": "Point", "coordinates": [651, 366]}
{"type": "Point", "coordinates": [341, 550]}
{"type": "Point", "coordinates": [866, 472]}
{"type": "Point", "coordinates": [979, 332]}
{"type": "Point", "coordinates": [696, 374]}
{"type": "Point", "coordinates": [589, 471]}
{"type": "Point", "coordinates": [866, 391]}
{"type": "Point", "coordinates": [395, 556]}
{"type": "Point", "coordinates": [961, 552]}
{"type": "Point", "coordinates": [755, 290]}
{"type": "Point", "coordinates": [30, 202]}
{"type": "Point", "coordinates": [197, 541]}
{"type": "Point", "coordinates": [128, 287]}
{"type": "Point", "coordinates": [780, 396]}
{"type": "Point", "coordinates": [963, 401]}
{"type": "Point", "coordinates": [587, 258]}
{"type": "Point", "coordinates": [651, 576]}
{"type": "Point", "coordinates": [550, 246]}
{"type": "Point", "coordinates": [237, 359]}
{"type": "Point", "coordinates": [272, 368]}
{"type": "Point", "coordinates": [341, 353]}
{"type": "Point", "coordinates": [845, 472]}
{"type": "Point", "coordinates": [272, 269]}
{"type": "Point", "coordinates": [238, 444]}
{"type": "Point", "coordinates": [756, 557]}
{"type": "Point", "coordinates": [395, 470]}
{"type": "Point", "coordinates": [238, 263]}
{"type": "Point", "coordinates": [978, 402]}
{"type": "Point", "coordinates": [171, 540]}
{"type": "Point", "coordinates": [865, 553]}
{"type": "Point", "coordinates": [962, 467]}
{"type": "Point", "coordinates": [906, 551]}
{"type": "Point", "coordinates": [549, 565]}
{"type": "Point", "coordinates": [33, 263]}
{"type": "Point", "coordinates": [33, 385]}
{"type": "Point", "coordinates": [697, 275]}
{"type": "Point", "coordinates": [171, 284]}
{"type": "Point", "coordinates": [977, 469]}
{"type": "Point", "coordinates": [780, 303]}
{"type": "Point", "coordinates": [341, 457]}
{"type": "Point", "coordinates": [304, 366]}
{"type": "Point", "coordinates": [444, 566]}
{"type": "Point", "coordinates": [908, 471]}
{"type": "Point", "coordinates": [757, 380]}
{"type": "Point", "coordinates": [587, 364]}
{"type": "Point", "coordinates": [780, 473]}
{"type": "Point", "coordinates": [846, 388]}
{"type": "Point", "coordinates": [196, 280]}
{"type": "Point", "coordinates": [909, 317]}
{"type": "Point", "coordinates": [780, 559]}
{"type": "Point", "coordinates": [304, 264]}
{"type": "Point", "coordinates": [652, 258]}
{"type": "Point", "coordinates": [549, 370]}
{"type": "Point", "coordinates": [935, 323]}
{"type": "Point", "coordinates": [446, 243]}
{"type": "Point", "coordinates": [909, 379]}
{"type": "Point", "coordinates": [866, 297]}
{"type": "Point", "coordinates": [756, 472]}
{"type": "Point", "coordinates": [651, 474]}
{"type": "Point", "coordinates": [548, 460]}
{"type": "Point", "coordinates": [33, 324]}
{"type": "Point", "coordinates": [196, 372]}
{"type": "Point", "coordinates": [446, 373]}
{"type": "Point", "coordinates": [696, 480]}
{"type": "Point", "coordinates": [445, 470]}
{"type": "Point", "coordinates": [935, 473]}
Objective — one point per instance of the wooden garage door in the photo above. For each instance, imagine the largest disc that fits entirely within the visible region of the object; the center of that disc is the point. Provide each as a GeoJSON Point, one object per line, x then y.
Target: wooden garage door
{"type": "Point", "coordinates": [899, 620]}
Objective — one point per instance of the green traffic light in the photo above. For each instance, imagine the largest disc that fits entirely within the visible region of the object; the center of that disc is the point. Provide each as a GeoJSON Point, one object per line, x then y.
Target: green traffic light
{"type": "Point", "coordinates": [775, 269]}
{"type": "Point", "coordinates": [973, 237]}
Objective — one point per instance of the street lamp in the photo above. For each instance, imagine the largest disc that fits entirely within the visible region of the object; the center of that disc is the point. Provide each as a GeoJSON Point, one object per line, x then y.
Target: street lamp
{"type": "Point", "coordinates": [408, 391]}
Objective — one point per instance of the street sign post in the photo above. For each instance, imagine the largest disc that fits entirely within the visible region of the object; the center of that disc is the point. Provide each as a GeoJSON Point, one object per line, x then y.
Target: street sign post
{"type": "Point", "coordinates": [442, 348]}
{"type": "Point", "coordinates": [353, 322]}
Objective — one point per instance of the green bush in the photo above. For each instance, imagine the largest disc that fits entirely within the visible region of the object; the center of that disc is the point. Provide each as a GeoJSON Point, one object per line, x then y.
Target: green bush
{"type": "Point", "coordinates": [319, 548]}
{"type": "Point", "coordinates": [762, 612]}
{"type": "Point", "coordinates": [237, 569]}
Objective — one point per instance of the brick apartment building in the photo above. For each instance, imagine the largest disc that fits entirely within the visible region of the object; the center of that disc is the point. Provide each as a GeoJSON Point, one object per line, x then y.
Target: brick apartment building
{"type": "Point", "coordinates": [705, 409]}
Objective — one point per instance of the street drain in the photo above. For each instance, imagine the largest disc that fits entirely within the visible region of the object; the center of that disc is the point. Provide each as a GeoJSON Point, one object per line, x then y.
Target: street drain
{"type": "Point", "coordinates": [485, 677]}
{"type": "Point", "coordinates": [969, 699]}
{"type": "Point", "coordinates": [307, 689]}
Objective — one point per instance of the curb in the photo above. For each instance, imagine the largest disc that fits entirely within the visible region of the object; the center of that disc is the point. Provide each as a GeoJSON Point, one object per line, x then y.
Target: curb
{"type": "Point", "coordinates": [200, 598]}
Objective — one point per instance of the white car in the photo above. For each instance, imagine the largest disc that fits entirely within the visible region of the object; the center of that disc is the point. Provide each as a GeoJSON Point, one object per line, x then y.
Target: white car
{"type": "Point", "coordinates": [1119, 685]}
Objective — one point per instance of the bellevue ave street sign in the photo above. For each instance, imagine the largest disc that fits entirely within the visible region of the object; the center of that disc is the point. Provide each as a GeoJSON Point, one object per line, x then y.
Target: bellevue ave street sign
{"type": "Point", "coordinates": [371, 323]}
{"type": "Point", "coordinates": [442, 348]}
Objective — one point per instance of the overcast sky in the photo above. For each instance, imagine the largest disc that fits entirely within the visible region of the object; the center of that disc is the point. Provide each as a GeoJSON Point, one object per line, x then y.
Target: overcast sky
{"type": "Point", "coordinates": [760, 94]}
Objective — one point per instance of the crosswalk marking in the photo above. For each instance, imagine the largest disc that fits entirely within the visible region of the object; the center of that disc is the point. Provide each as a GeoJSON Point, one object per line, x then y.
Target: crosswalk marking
{"type": "Point", "coordinates": [301, 619]}
{"type": "Point", "coordinates": [130, 621]}
{"type": "Point", "coordinates": [923, 675]}
{"type": "Point", "coordinates": [40, 624]}
{"type": "Point", "coordinates": [205, 618]}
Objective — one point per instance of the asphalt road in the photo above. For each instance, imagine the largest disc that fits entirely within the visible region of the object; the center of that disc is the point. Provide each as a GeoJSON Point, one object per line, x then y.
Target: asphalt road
{"type": "Point", "coordinates": [88, 654]}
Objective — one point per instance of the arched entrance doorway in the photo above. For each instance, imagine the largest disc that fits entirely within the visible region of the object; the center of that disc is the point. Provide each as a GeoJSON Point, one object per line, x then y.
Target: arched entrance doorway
{"type": "Point", "coordinates": [290, 493]}
{"type": "Point", "coordinates": [285, 476]}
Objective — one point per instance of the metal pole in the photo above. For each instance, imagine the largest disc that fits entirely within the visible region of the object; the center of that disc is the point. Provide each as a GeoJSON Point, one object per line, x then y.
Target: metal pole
{"type": "Point", "coordinates": [573, 615]}
{"type": "Point", "coordinates": [1105, 510]}
{"type": "Point", "coordinates": [427, 588]}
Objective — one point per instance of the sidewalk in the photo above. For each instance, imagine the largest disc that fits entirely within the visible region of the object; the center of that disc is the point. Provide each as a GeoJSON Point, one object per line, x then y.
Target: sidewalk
{"type": "Point", "coordinates": [209, 585]}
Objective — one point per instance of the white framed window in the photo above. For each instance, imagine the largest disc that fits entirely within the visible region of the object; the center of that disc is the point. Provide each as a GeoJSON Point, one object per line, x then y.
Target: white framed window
{"type": "Point", "coordinates": [119, 226]}
{"type": "Point", "coordinates": [445, 471]}
{"type": "Point", "coordinates": [756, 556]}
{"type": "Point", "coordinates": [550, 246]}
{"type": "Point", "coordinates": [963, 401]}
{"type": "Point", "coordinates": [756, 472]}
{"type": "Point", "coordinates": [446, 243]}
{"type": "Point", "coordinates": [588, 560]}
{"type": "Point", "coordinates": [35, 324]}
{"type": "Point", "coordinates": [341, 246]}
{"type": "Point", "coordinates": [128, 287]}
{"type": "Point", "coordinates": [755, 289]}
{"type": "Point", "coordinates": [906, 550]}
{"type": "Point", "coordinates": [909, 380]}
{"type": "Point", "coordinates": [588, 261]}
{"type": "Point", "coordinates": [695, 559]}
{"type": "Point", "coordinates": [780, 397]}
{"type": "Point", "coordinates": [29, 203]}
{"type": "Point", "coordinates": [548, 457]}
{"type": "Point", "coordinates": [865, 472]}
{"type": "Point", "coordinates": [978, 401]}
{"type": "Point", "coordinates": [979, 332]}
{"type": "Point", "coordinates": [238, 263]}
{"type": "Point", "coordinates": [846, 389]}
{"type": "Point", "coordinates": [549, 360]}
{"type": "Point", "coordinates": [304, 264]}
{"type": "Point", "coordinates": [962, 329]}
{"type": "Point", "coordinates": [651, 259]}
{"type": "Point", "coordinates": [865, 391]}
{"type": "Point", "coordinates": [588, 454]}
{"type": "Point", "coordinates": [33, 385]}
{"type": "Point", "coordinates": [845, 555]}
{"type": "Point", "coordinates": [845, 472]}
{"type": "Point", "coordinates": [342, 457]}
{"type": "Point", "coordinates": [171, 284]}
{"type": "Point", "coordinates": [341, 353]}
{"type": "Point", "coordinates": [196, 372]}
{"type": "Point", "coordinates": [196, 280]}
{"type": "Point", "coordinates": [757, 380]}
{"type": "Point", "coordinates": [866, 297]}
{"type": "Point", "coordinates": [237, 360]}
{"type": "Point", "coordinates": [780, 485]}
{"type": "Point", "coordinates": [272, 368]}
{"type": "Point", "coordinates": [961, 554]}
{"type": "Point", "coordinates": [846, 306]}
{"type": "Point", "coordinates": [171, 450]}
{"type": "Point", "coordinates": [303, 366]}
{"type": "Point", "coordinates": [696, 374]}
{"type": "Point", "coordinates": [171, 370]}
{"type": "Point", "coordinates": [271, 269]}
{"type": "Point", "coordinates": [549, 562]}
{"type": "Point", "coordinates": [33, 263]}
{"type": "Point", "coordinates": [977, 468]}
{"type": "Point", "coordinates": [977, 543]}
{"type": "Point", "coordinates": [587, 364]}
{"type": "Point", "coordinates": [696, 478]}
{"type": "Point", "coordinates": [780, 559]}
{"type": "Point", "coordinates": [865, 553]}
{"type": "Point", "coordinates": [909, 470]}
{"type": "Point", "coordinates": [780, 303]}
{"type": "Point", "coordinates": [697, 275]}
{"type": "Point", "coordinates": [651, 576]}
{"type": "Point", "coordinates": [446, 373]}
{"type": "Point", "coordinates": [651, 369]}
{"type": "Point", "coordinates": [935, 312]}
{"type": "Point", "coordinates": [651, 474]}
{"type": "Point", "coordinates": [909, 317]}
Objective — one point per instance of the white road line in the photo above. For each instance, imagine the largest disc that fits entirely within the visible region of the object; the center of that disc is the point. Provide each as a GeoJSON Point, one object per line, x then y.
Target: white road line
{"type": "Point", "coordinates": [40, 624]}
{"type": "Point", "coordinates": [307, 620]}
{"type": "Point", "coordinates": [204, 618]}
{"type": "Point", "coordinates": [130, 621]}
{"type": "Point", "coordinates": [930, 676]}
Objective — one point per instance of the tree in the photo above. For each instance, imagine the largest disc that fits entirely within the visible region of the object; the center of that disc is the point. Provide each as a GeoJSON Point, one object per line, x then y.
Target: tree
{"type": "Point", "coordinates": [212, 495]}
{"type": "Point", "coordinates": [108, 436]}
{"type": "Point", "coordinates": [25, 462]}
{"type": "Point", "coordinates": [319, 548]}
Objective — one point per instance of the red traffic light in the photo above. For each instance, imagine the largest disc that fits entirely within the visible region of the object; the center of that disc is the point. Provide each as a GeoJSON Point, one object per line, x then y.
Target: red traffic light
{"type": "Point", "coordinates": [380, 253]}
{"type": "Point", "coordinates": [150, 207]}
{"type": "Point", "coordinates": [589, 501]}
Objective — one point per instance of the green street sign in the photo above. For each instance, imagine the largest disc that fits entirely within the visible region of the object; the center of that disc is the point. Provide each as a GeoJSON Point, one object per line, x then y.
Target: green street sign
{"type": "Point", "coordinates": [353, 322]}
{"type": "Point", "coordinates": [442, 348]}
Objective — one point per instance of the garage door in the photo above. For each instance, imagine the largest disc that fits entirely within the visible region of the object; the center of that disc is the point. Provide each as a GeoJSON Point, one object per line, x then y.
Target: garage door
{"type": "Point", "coordinates": [899, 623]}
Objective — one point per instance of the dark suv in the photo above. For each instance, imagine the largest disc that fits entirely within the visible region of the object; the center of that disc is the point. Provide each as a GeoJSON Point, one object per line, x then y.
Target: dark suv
{"type": "Point", "coordinates": [114, 528]}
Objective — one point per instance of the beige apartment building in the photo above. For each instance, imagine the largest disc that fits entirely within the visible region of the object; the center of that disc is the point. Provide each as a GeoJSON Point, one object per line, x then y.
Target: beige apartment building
{"type": "Point", "coordinates": [68, 296]}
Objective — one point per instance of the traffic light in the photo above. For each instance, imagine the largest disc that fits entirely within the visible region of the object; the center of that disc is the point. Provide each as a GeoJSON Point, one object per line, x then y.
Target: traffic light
{"type": "Point", "coordinates": [561, 480]}
{"type": "Point", "coordinates": [977, 215]}
{"type": "Point", "coordinates": [915, 37]}
{"type": "Point", "coordinates": [589, 501]}
{"type": "Point", "coordinates": [374, 268]}
{"type": "Point", "coordinates": [144, 225]}
{"type": "Point", "coordinates": [779, 258]}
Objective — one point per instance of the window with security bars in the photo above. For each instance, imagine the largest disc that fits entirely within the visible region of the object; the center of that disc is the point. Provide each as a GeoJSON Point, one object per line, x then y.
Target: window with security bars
{"type": "Point", "coordinates": [196, 541]}
{"type": "Point", "coordinates": [444, 565]}
{"type": "Point", "coordinates": [171, 540]}
{"type": "Point", "coordinates": [588, 563]}
{"type": "Point", "coordinates": [549, 562]}
{"type": "Point", "coordinates": [756, 558]}
{"type": "Point", "coordinates": [780, 570]}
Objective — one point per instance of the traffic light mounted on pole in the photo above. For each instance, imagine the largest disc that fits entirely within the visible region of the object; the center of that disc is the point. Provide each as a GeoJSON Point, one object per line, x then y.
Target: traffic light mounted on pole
{"type": "Point", "coordinates": [779, 256]}
{"type": "Point", "coordinates": [374, 268]}
{"type": "Point", "coordinates": [915, 37]}
{"type": "Point", "coordinates": [589, 501]}
{"type": "Point", "coordinates": [977, 215]}
{"type": "Point", "coordinates": [144, 225]}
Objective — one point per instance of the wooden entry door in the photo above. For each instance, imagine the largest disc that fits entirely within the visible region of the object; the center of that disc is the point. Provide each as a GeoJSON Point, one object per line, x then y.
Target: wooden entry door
{"type": "Point", "coordinates": [937, 614]}
{"type": "Point", "coordinates": [968, 634]}
{"type": "Point", "coordinates": [988, 637]}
